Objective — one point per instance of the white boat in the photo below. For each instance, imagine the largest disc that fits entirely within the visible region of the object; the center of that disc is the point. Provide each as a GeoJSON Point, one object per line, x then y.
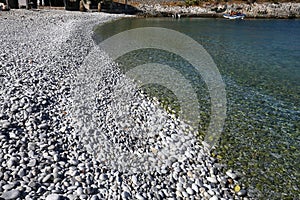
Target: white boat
{"type": "Point", "coordinates": [235, 16]}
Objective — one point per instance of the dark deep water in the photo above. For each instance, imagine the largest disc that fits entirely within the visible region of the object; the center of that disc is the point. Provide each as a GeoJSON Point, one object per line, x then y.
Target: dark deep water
{"type": "Point", "coordinates": [259, 61]}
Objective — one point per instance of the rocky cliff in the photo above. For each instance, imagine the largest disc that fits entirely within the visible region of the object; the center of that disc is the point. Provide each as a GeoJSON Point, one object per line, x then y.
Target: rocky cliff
{"type": "Point", "coordinates": [255, 10]}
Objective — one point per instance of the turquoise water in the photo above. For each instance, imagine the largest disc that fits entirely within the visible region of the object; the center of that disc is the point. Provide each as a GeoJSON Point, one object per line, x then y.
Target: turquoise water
{"type": "Point", "coordinates": [259, 61]}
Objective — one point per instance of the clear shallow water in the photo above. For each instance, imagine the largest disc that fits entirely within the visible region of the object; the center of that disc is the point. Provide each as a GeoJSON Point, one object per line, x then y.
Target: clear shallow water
{"type": "Point", "coordinates": [259, 61]}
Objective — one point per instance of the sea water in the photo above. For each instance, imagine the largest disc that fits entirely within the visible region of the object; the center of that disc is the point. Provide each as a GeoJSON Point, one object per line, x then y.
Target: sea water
{"type": "Point", "coordinates": [259, 61]}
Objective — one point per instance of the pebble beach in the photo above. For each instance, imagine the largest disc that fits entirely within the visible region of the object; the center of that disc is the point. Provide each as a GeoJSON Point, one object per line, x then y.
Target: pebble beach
{"type": "Point", "coordinates": [72, 126]}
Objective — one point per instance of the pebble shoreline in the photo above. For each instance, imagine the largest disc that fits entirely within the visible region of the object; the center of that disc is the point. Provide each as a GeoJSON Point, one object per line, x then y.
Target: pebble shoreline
{"type": "Point", "coordinates": [61, 140]}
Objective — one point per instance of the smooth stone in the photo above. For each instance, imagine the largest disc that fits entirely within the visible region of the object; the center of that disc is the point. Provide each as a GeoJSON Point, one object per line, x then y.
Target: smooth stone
{"type": "Point", "coordinates": [178, 193]}
{"type": "Point", "coordinates": [12, 162]}
{"type": "Point", "coordinates": [195, 187]}
{"type": "Point", "coordinates": [79, 191]}
{"type": "Point", "coordinates": [190, 191]}
{"type": "Point", "coordinates": [179, 187]}
{"type": "Point", "coordinates": [231, 174]}
{"type": "Point", "coordinates": [185, 194]}
{"type": "Point", "coordinates": [89, 190]}
{"type": "Point", "coordinates": [72, 197]}
{"type": "Point", "coordinates": [43, 126]}
{"type": "Point", "coordinates": [125, 195]}
{"type": "Point", "coordinates": [78, 178]}
{"type": "Point", "coordinates": [5, 124]}
{"type": "Point", "coordinates": [51, 147]}
{"type": "Point", "coordinates": [32, 163]}
{"type": "Point", "coordinates": [33, 185]}
{"type": "Point", "coordinates": [212, 179]}
{"type": "Point", "coordinates": [202, 190]}
{"type": "Point", "coordinates": [31, 146]}
{"type": "Point", "coordinates": [8, 186]}
{"type": "Point", "coordinates": [47, 178]}
{"type": "Point", "coordinates": [14, 108]}
{"type": "Point", "coordinates": [74, 162]}
{"type": "Point", "coordinates": [213, 198]}
{"type": "Point", "coordinates": [12, 194]}
{"type": "Point", "coordinates": [139, 197]}
{"type": "Point", "coordinates": [211, 192]}
{"type": "Point", "coordinates": [181, 180]}
{"type": "Point", "coordinates": [103, 177]}
{"type": "Point", "coordinates": [242, 193]}
{"type": "Point", "coordinates": [54, 197]}
{"type": "Point", "coordinates": [134, 180]}
{"type": "Point", "coordinates": [22, 172]}
{"type": "Point", "coordinates": [95, 197]}
{"type": "Point", "coordinates": [188, 155]}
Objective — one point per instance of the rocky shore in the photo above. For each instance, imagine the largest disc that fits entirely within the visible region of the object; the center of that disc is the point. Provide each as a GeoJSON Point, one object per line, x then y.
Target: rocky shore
{"type": "Point", "coordinates": [60, 140]}
{"type": "Point", "coordinates": [255, 10]}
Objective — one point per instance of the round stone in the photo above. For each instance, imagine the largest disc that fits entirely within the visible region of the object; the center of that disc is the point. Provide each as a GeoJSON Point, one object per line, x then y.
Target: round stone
{"type": "Point", "coordinates": [79, 191]}
{"type": "Point", "coordinates": [185, 194]}
{"type": "Point", "coordinates": [47, 178]}
{"type": "Point", "coordinates": [212, 179]}
{"type": "Point", "coordinates": [242, 193]}
{"type": "Point", "coordinates": [195, 187]}
{"type": "Point", "coordinates": [12, 194]}
{"type": "Point", "coordinates": [103, 177]}
{"type": "Point", "coordinates": [125, 195]}
{"type": "Point", "coordinates": [139, 197]}
{"type": "Point", "coordinates": [231, 174]}
{"type": "Point", "coordinates": [190, 191]}
{"type": "Point", "coordinates": [12, 162]}
{"type": "Point", "coordinates": [54, 197]}
{"type": "Point", "coordinates": [94, 197]}
{"type": "Point", "coordinates": [213, 198]}
{"type": "Point", "coordinates": [134, 180]}
{"type": "Point", "coordinates": [8, 186]}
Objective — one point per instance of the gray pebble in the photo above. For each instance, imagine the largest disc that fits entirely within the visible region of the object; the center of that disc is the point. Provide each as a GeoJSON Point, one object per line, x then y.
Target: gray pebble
{"type": "Point", "coordinates": [190, 191]}
{"type": "Point", "coordinates": [79, 191]}
{"type": "Point", "coordinates": [139, 197]}
{"type": "Point", "coordinates": [4, 124]}
{"type": "Point", "coordinates": [32, 163]}
{"type": "Point", "coordinates": [134, 180]}
{"type": "Point", "coordinates": [103, 177]}
{"type": "Point", "coordinates": [43, 126]}
{"type": "Point", "coordinates": [47, 178]}
{"type": "Point", "coordinates": [8, 186]}
{"type": "Point", "coordinates": [12, 194]}
{"type": "Point", "coordinates": [125, 195]}
{"type": "Point", "coordinates": [212, 179]}
{"type": "Point", "coordinates": [188, 154]}
{"type": "Point", "coordinates": [231, 174]}
{"type": "Point", "coordinates": [214, 198]}
{"type": "Point", "coordinates": [195, 187]}
{"type": "Point", "coordinates": [54, 197]}
{"type": "Point", "coordinates": [184, 194]}
{"type": "Point", "coordinates": [242, 192]}
{"type": "Point", "coordinates": [12, 162]}
{"type": "Point", "coordinates": [95, 197]}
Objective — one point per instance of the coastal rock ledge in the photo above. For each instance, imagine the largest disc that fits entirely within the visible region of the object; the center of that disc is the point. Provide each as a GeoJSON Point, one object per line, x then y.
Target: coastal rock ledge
{"type": "Point", "coordinates": [255, 10]}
